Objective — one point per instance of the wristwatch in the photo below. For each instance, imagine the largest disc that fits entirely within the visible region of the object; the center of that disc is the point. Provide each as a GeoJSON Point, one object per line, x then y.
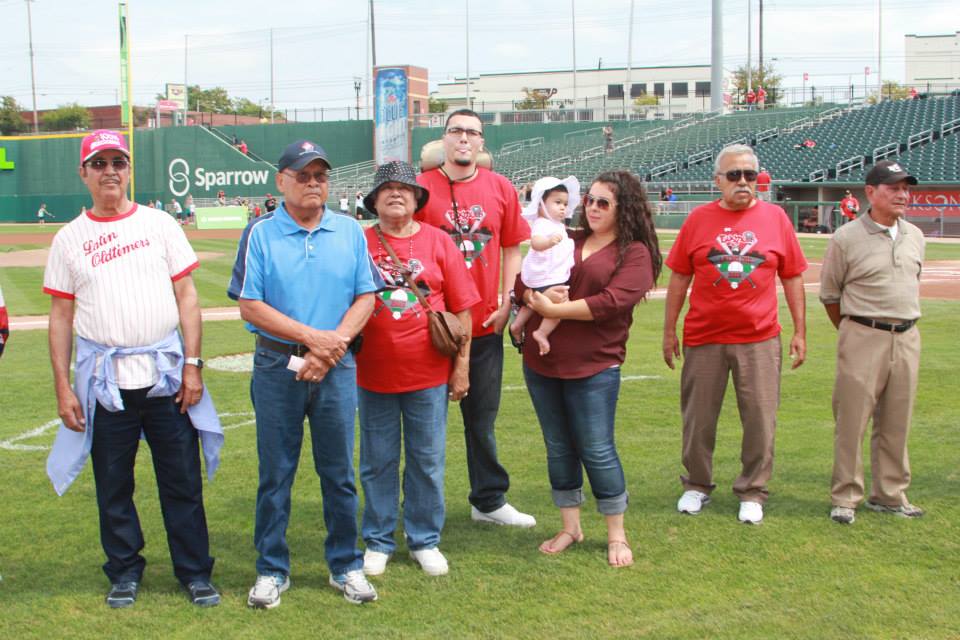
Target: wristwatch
{"type": "Point", "coordinates": [197, 362]}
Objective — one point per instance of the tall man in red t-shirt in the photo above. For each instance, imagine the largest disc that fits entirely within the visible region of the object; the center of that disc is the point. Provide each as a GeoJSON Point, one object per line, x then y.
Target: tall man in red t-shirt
{"type": "Point", "coordinates": [733, 250]}
{"type": "Point", "coordinates": [763, 185]}
{"type": "Point", "coordinates": [480, 210]}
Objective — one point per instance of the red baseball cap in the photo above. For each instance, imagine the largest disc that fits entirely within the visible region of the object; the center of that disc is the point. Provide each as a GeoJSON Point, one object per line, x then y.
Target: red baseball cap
{"type": "Point", "coordinates": [102, 140]}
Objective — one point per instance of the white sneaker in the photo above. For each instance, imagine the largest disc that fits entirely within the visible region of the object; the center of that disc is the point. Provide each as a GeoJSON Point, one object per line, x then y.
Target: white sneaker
{"type": "Point", "coordinates": [431, 561]}
{"type": "Point", "coordinates": [505, 515]}
{"type": "Point", "coordinates": [843, 515]}
{"type": "Point", "coordinates": [355, 587]}
{"type": "Point", "coordinates": [751, 513]}
{"type": "Point", "coordinates": [692, 502]}
{"type": "Point", "coordinates": [375, 562]}
{"type": "Point", "coordinates": [266, 591]}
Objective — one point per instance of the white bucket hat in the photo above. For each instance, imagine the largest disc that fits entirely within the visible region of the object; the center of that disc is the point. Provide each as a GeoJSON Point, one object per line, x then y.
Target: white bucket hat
{"type": "Point", "coordinates": [541, 186]}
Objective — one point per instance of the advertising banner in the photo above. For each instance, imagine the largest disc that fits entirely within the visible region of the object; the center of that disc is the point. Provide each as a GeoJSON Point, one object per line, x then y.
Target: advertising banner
{"type": "Point", "coordinates": [177, 94]}
{"type": "Point", "coordinates": [931, 203]}
{"type": "Point", "coordinates": [390, 113]}
{"type": "Point", "coordinates": [221, 217]}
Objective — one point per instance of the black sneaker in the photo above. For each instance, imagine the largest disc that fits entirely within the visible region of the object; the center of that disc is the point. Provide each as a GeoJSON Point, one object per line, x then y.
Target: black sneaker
{"type": "Point", "coordinates": [203, 593]}
{"type": "Point", "coordinates": [122, 594]}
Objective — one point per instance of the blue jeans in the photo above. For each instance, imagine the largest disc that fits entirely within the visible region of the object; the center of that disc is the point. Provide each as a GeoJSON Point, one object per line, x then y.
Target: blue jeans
{"type": "Point", "coordinates": [281, 404]}
{"type": "Point", "coordinates": [489, 481]}
{"type": "Point", "coordinates": [176, 461]}
{"type": "Point", "coordinates": [424, 417]}
{"type": "Point", "coordinates": [576, 418]}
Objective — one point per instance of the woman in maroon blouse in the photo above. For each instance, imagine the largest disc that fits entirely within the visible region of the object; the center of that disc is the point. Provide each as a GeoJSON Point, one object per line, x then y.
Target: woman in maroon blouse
{"type": "Point", "coordinates": [574, 388]}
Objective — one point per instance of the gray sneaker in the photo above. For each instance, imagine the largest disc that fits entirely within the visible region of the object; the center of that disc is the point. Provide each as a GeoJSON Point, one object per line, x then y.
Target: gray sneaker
{"type": "Point", "coordinates": [122, 594]}
{"type": "Point", "coordinates": [843, 515]}
{"type": "Point", "coordinates": [903, 511]}
{"type": "Point", "coordinates": [355, 587]}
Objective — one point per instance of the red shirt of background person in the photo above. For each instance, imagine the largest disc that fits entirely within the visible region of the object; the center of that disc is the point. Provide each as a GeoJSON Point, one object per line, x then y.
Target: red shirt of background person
{"type": "Point", "coordinates": [849, 206]}
{"type": "Point", "coordinates": [751, 99]}
{"type": "Point", "coordinates": [761, 97]}
{"type": "Point", "coordinates": [763, 181]}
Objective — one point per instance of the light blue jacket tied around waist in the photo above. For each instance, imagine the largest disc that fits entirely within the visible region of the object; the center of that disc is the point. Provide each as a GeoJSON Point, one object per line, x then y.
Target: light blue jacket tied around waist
{"type": "Point", "coordinates": [95, 382]}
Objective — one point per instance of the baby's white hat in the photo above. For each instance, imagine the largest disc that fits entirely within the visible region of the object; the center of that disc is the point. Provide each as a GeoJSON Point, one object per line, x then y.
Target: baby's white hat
{"type": "Point", "coordinates": [532, 210]}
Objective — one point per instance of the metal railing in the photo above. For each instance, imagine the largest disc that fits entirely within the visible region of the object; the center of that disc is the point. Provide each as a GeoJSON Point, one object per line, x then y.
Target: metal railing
{"type": "Point", "coordinates": [848, 165]}
{"type": "Point", "coordinates": [920, 138]}
{"type": "Point", "coordinates": [885, 151]}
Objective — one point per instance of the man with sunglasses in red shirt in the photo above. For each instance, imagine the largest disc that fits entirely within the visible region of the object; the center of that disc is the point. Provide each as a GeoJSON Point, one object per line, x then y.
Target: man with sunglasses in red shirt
{"type": "Point", "coordinates": [120, 277]}
{"type": "Point", "coordinates": [733, 250]}
{"type": "Point", "coordinates": [480, 210]}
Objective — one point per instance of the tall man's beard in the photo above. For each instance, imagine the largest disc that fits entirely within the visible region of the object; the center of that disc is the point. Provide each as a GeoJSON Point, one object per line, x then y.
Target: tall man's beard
{"type": "Point", "coordinates": [463, 162]}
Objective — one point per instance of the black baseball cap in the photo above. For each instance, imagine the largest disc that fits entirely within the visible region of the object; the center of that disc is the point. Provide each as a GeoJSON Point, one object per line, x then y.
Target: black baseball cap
{"type": "Point", "coordinates": [888, 172]}
{"type": "Point", "coordinates": [299, 154]}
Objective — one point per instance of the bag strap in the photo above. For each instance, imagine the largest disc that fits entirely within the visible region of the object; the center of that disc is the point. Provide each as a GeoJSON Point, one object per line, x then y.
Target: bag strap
{"type": "Point", "coordinates": [406, 272]}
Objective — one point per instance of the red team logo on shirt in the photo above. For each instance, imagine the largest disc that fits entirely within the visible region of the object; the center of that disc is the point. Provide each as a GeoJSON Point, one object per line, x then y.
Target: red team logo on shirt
{"type": "Point", "coordinates": [467, 233]}
{"type": "Point", "coordinates": [397, 297]}
{"type": "Point", "coordinates": [735, 263]}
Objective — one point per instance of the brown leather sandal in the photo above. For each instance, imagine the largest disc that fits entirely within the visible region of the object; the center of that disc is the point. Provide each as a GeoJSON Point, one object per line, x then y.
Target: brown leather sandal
{"type": "Point", "coordinates": [573, 540]}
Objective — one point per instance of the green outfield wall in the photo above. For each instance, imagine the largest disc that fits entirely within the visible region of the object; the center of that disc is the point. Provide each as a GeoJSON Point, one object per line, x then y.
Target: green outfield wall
{"type": "Point", "coordinates": [168, 163]}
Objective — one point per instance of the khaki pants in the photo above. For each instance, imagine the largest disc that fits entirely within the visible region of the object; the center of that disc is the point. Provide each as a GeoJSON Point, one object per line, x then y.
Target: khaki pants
{"type": "Point", "coordinates": [876, 376]}
{"type": "Point", "coordinates": [756, 378]}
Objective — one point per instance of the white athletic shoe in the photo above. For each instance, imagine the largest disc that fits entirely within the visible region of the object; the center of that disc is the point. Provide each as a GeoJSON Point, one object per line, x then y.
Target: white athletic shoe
{"type": "Point", "coordinates": [505, 515]}
{"type": "Point", "coordinates": [375, 562]}
{"type": "Point", "coordinates": [692, 502]}
{"type": "Point", "coordinates": [431, 561]}
{"type": "Point", "coordinates": [751, 513]}
{"type": "Point", "coordinates": [265, 593]}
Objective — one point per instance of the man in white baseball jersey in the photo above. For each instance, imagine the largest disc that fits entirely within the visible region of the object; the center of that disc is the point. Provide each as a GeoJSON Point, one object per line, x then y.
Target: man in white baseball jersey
{"type": "Point", "coordinates": [119, 276]}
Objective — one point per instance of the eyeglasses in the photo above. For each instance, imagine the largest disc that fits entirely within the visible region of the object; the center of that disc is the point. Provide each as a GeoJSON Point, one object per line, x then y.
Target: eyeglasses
{"type": "Point", "coordinates": [118, 164]}
{"type": "Point", "coordinates": [734, 176]}
{"type": "Point", "coordinates": [459, 131]}
{"type": "Point", "coordinates": [602, 203]}
{"type": "Point", "coordinates": [304, 177]}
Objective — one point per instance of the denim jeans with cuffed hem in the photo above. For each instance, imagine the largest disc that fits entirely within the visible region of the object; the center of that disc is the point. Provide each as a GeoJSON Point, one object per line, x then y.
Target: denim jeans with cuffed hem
{"type": "Point", "coordinates": [176, 462]}
{"type": "Point", "coordinates": [423, 414]}
{"type": "Point", "coordinates": [577, 419]}
{"type": "Point", "coordinates": [489, 481]}
{"type": "Point", "coordinates": [281, 404]}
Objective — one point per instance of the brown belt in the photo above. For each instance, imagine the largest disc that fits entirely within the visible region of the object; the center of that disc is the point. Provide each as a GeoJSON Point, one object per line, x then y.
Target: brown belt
{"type": "Point", "coordinates": [884, 326]}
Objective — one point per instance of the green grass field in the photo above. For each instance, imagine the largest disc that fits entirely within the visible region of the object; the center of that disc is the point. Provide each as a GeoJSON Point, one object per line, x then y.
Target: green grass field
{"type": "Point", "coordinates": [797, 576]}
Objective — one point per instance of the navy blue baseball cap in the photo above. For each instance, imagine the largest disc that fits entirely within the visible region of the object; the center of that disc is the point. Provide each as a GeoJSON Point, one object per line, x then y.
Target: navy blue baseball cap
{"type": "Point", "coordinates": [299, 154]}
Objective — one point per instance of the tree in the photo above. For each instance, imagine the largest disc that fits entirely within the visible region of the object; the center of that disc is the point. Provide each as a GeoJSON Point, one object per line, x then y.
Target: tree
{"type": "Point", "coordinates": [535, 99]}
{"type": "Point", "coordinates": [764, 76]}
{"type": "Point", "coordinates": [645, 103]}
{"type": "Point", "coordinates": [436, 105]}
{"type": "Point", "coordinates": [11, 121]}
{"type": "Point", "coordinates": [68, 117]}
{"type": "Point", "coordinates": [891, 91]}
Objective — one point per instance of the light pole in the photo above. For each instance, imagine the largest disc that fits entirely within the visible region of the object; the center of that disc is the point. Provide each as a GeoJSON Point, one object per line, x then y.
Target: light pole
{"type": "Point", "coordinates": [356, 87]}
{"type": "Point", "coordinates": [33, 69]}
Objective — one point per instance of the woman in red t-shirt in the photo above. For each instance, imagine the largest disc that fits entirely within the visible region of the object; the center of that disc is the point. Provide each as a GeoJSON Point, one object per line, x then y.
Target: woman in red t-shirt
{"type": "Point", "coordinates": [404, 382]}
{"type": "Point", "coordinates": [574, 388]}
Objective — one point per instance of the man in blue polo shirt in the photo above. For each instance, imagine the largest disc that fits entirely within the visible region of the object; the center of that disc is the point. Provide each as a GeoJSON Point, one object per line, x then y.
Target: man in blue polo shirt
{"type": "Point", "coordinates": [305, 286]}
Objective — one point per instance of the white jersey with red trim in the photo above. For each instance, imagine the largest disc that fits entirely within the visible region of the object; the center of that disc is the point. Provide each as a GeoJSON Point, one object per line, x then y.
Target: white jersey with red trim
{"type": "Point", "coordinates": [120, 272]}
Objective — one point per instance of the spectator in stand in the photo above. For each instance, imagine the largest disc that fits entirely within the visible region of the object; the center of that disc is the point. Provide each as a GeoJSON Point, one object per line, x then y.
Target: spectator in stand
{"type": "Point", "coordinates": [221, 198]}
{"type": "Point", "coordinates": [270, 203]}
{"type": "Point", "coordinates": [4, 323]}
{"type": "Point", "coordinates": [849, 207]}
{"type": "Point", "coordinates": [607, 139]}
{"type": "Point", "coordinates": [751, 100]}
{"type": "Point", "coordinates": [914, 94]}
{"type": "Point", "coordinates": [344, 204]}
{"type": "Point", "coordinates": [190, 207]}
{"type": "Point", "coordinates": [761, 98]}
{"type": "Point", "coordinates": [243, 147]}
{"type": "Point", "coordinates": [177, 210]}
{"type": "Point", "coordinates": [763, 185]}
{"type": "Point", "coordinates": [358, 205]}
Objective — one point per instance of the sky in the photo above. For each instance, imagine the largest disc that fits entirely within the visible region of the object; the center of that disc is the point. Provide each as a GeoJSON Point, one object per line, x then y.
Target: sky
{"type": "Point", "coordinates": [320, 47]}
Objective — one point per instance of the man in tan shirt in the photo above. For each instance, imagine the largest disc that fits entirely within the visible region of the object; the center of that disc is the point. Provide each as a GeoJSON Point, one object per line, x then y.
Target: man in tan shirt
{"type": "Point", "coordinates": [870, 288]}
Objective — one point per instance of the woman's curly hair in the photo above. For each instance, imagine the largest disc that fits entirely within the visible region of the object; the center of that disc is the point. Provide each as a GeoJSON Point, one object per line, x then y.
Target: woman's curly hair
{"type": "Point", "coordinates": [633, 216]}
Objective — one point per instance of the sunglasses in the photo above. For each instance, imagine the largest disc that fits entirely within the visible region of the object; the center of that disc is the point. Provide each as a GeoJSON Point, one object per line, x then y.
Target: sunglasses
{"type": "Point", "coordinates": [734, 176]}
{"type": "Point", "coordinates": [118, 164]}
{"type": "Point", "coordinates": [602, 203]}
{"type": "Point", "coordinates": [459, 131]}
{"type": "Point", "coordinates": [304, 177]}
